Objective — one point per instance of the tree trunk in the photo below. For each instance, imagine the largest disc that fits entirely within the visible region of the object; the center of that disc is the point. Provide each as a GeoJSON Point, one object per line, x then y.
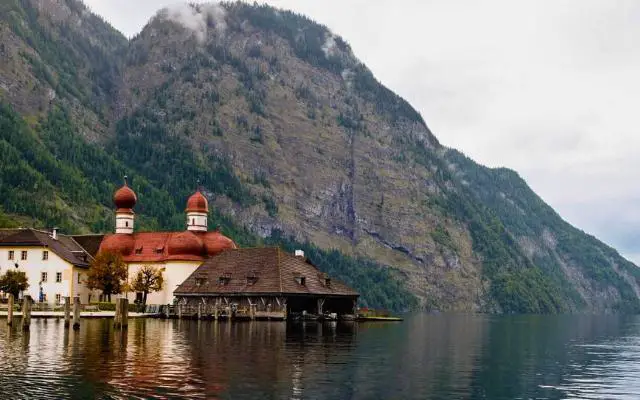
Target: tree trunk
{"type": "Point", "coordinates": [144, 298]}
{"type": "Point", "coordinates": [108, 297]}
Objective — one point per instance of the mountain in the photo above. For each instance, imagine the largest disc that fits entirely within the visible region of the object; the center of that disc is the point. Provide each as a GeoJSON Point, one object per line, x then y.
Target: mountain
{"type": "Point", "coordinates": [296, 143]}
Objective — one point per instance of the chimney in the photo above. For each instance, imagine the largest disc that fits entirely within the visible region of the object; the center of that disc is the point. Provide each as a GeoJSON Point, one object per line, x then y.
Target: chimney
{"type": "Point", "coordinates": [54, 234]}
{"type": "Point", "coordinates": [299, 253]}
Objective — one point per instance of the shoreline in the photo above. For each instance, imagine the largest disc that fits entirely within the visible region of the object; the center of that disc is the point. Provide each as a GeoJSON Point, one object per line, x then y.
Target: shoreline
{"type": "Point", "coordinates": [83, 314]}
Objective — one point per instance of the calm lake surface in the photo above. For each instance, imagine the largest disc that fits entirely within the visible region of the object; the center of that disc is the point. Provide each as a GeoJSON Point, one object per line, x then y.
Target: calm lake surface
{"type": "Point", "coordinates": [424, 357]}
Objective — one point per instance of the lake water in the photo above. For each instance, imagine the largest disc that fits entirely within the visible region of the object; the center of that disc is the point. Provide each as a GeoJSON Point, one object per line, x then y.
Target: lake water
{"type": "Point", "coordinates": [424, 357]}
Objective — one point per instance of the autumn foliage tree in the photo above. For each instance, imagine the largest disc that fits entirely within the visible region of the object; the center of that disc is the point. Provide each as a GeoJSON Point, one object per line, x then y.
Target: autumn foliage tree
{"type": "Point", "coordinates": [108, 273]}
{"type": "Point", "coordinates": [14, 282]}
{"type": "Point", "coordinates": [149, 279]}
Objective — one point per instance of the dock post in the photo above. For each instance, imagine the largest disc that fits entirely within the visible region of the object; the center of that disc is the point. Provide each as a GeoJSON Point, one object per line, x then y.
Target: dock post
{"type": "Point", "coordinates": [10, 311]}
{"type": "Point", "coordinates": [26, 312]}
{"type": "Point", "coordinates": [199, 311]}
{"type": "Point", "coordinates": [179, 311]}
{"type": "Point", "coordinates": [67, 311]}
{"type": "Point", "coordinates": [320, 303]}
{"type": "Point", "coordinates": [117, 317]}
{"type": "Point", "coordinates": [76, 313]}
{"type": "Point", "coordinates": [124, 312]}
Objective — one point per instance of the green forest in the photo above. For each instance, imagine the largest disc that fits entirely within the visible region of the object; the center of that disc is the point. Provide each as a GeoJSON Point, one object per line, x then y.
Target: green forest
{"type": "Point", "coordinates": [57, 179]}
{"type": "Point", "coordinates": [62, 160]}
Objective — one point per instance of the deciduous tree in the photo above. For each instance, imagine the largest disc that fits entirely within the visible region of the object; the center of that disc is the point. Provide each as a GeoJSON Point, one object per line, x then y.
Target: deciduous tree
{"type": "Point", "coordinates": [149, 279]}
{"type": "Point", "coordinates": [14, 282]}
{"type": "Point", "coordinates": [108, 273]}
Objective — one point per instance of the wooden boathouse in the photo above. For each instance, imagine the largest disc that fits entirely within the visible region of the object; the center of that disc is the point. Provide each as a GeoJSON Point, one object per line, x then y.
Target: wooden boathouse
{"type": "Point", "coordinates": [262, 283]}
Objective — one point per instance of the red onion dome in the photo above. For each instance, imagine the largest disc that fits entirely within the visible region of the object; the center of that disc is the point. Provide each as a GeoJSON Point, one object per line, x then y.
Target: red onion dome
{"type": "Point", "coordinates": [118, 243]}
{"type": "Point", "coordinates": [197, 203]}
{"type": "Point", "coordinates": [125, 198]}
{"type": "Point", "coordinates": [216, 243]}
{"type": "Point", "coordinates": [185, 243]}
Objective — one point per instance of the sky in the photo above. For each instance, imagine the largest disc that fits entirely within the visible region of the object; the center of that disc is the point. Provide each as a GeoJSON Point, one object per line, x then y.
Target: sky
{"type": "Point", "coordinates": [549, 88]}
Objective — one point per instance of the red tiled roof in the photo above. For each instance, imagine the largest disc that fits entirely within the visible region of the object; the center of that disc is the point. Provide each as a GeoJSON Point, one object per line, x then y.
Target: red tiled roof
{"type": "Point", "coordinates": [260, 271]}
{"type": "Point", "coordinates": [163, 246]}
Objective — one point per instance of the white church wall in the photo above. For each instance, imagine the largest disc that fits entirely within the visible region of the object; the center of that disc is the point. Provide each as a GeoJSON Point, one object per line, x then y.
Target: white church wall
{"type": "Point", "coordinates": [174, 274]}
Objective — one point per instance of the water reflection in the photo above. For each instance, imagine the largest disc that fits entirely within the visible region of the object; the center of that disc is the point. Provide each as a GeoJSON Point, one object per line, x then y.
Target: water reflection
{"type": "Point", "coordinates": [427, 356]}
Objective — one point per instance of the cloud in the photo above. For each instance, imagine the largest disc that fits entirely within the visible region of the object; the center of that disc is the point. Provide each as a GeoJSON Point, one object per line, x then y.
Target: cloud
{"type": "Point", "coordinates": [196, 18]}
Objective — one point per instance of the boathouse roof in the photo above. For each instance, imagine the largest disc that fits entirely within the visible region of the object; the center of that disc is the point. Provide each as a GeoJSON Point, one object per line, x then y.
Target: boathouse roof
{"type": "Point", "coordinates": [260, 271]}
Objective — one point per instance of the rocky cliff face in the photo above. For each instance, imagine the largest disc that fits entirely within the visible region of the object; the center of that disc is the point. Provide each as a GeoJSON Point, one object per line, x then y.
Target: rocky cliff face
{"type": "Point", "coordinates": [291, 133]}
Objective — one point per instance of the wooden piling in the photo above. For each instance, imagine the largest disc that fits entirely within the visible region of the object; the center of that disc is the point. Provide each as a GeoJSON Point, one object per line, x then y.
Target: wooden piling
{"type": "Point", "coordinates": [124, 312]}
{"type": "Point", "coordinates": [117, 318]}
{"type": "Point", "coordinates": [179, 311]}
{"type": "Point", "coordinates": [67, 311]}
{"type": "Point", "coordinates": [320, 303]}
{"type": "Point", "coordinates": [76, 313]}
{"type": "Point", "coordinates": [10, 310]}
{"type": "Point", "coordinates": [215, 311]}
{"type": "Point", "coordinates": [26, 312]}
{"type": "Point", "coordinates": [199, 311]}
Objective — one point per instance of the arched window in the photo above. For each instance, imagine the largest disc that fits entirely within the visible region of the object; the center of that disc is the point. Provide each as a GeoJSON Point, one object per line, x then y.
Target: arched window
{"type": "Point", "coordinates": [126, 224]}
{"type": "Point", "coordinates": [193, 221]}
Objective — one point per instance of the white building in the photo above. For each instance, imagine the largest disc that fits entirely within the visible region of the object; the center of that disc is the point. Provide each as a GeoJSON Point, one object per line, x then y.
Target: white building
{"type": "Point", "coordinates": [55, 264]}
{"type": "Point", "coordinates": [177, 253]}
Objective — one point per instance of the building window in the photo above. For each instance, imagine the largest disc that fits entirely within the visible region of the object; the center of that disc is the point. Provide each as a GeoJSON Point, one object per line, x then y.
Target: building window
{"type": "Point", "coordinates": [45, 255]}
{"type": "Point", "coordinates": [58, 277]}
{"type": "Point", "coordinates": [126, 224]}
{"type": "Point", "coordinates": [79, 277]}
{"type": "Point", "coordinates": [193, 221]}
{"type": "Point", "coordinates": [43, 277]}
{"type": "Point", "coordinates": [11, 255]}
{"type": "Point", "coordinates": [58, 298]}
{"type": "Point", "coordinates": [23, 255]}
{"type": "Point", "coordinates": [301, 280]}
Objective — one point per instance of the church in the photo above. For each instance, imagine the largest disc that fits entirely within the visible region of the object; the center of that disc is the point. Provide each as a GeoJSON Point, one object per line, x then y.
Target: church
{"type": "Point", "coordinates": [179, 254]}
{"type": "Point", "coordinates": [200, 267]}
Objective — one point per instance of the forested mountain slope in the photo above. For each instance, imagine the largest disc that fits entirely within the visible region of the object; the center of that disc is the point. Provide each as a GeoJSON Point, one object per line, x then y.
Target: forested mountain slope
{"type": "Point", "coordinates": [295, 142]}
